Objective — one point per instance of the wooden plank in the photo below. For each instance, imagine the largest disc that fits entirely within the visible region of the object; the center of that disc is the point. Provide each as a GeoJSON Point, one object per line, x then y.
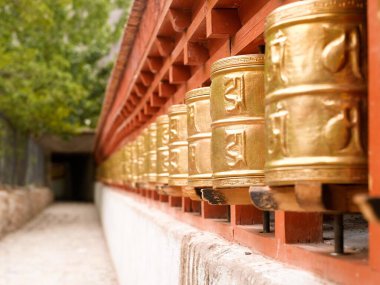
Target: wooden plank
{"type": "Point", "coordinates": [154, 14]}
{"type": "Point", "coordinates": [254, 27]}
{"type": "Point", "coordinates": [179, 74]}
{"type": "Point", "coordinates": [180, 19]}
{"type": "Point", "coordinates": [154, 64]}
{"type": "Point", "coordinates": [133, 98]}
{"type": "Point", "coordinates": [222, 23]}
{"type": "Point", "coordinates": [156, 101]}
{"type": "Point", "coordinates": [195, 54]}
{"type": "Point", "coordinates": [177, 50]}
{"type": "Point", "coordinates": [146, 78]}
{"type": "Point", "coordinates": [140, 90]}
{"type": "Point", "coordinates": [191, 30]}
{"type": "Point", "coordinates": [149, 110]}
{"type": "Point", "coordinates": [165, 89]}
{"type": "Point", "coordinates": [373, 21]}
{"type": "Point", "coordinates": [165, 45]}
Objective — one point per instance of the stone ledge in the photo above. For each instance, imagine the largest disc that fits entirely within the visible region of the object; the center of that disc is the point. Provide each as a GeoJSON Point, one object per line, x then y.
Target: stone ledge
{"type": "Point", "coordinates": [150, 246]}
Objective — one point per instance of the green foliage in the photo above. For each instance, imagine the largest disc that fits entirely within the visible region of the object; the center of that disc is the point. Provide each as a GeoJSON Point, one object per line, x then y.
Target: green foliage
{"type": "Point", "coordinates": [53, 70]}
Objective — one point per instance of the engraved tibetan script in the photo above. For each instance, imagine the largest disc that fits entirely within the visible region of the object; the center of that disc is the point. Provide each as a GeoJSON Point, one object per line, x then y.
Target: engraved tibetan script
{"type": "Point", "coordinates": [343, 130]}
{"type": "Point", "coordinates": [165, 161]}
{"type": "Point", "coordinates": [165, 135]}
{"type": "Point", "coordinates": [277, 58]}
{"type": "Point", "coordinates": [174, 125]}
{"type": "Point", "coordinates": [191, 121]}
{"type": "Point", "coordinates": [174, 159]}
{"type": "Point", "coordinates": [277, 131]}
{"type": "Point", "coordinates": [235, 148]}
{"type": "Point", "coordinates": [343, 49]}
{"type": "Point", "coordinates": [192, 161]}
{"type": "Point", "coordinates": [152, 163]}
{"type": "Point", "coordinates": [234, 94]}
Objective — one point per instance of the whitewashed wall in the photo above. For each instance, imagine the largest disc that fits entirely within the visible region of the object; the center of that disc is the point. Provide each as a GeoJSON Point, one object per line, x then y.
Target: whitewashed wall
{"type": "Point", "coordinates": [150, 247]}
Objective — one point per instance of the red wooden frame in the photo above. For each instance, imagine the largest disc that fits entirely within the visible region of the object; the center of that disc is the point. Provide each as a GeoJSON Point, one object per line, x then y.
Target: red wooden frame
{"type": "Point", "coordinates": [177, 42]}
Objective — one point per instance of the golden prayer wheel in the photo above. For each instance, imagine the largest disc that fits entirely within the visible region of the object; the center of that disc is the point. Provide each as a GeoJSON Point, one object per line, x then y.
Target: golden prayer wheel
{"type": "Point", "coordinates": [127, 173]}
{"type": "Point", "coordinates": [141, 158]}
{"type": "Point", "coordinates": [316, 93]}
{"type": "Point", "coordinates": [199, 137]}
{"type": "Point", "coordinates": [237, 112]}
{"type": "Point", "coordinates": [178, 159]}
{"type": "Point", "coordinates": [146, 154]}
{"type": "Point", "coordinates": [163, 149]}
{"type": "Point", "coordinates": [134, 163]}
{"type": "Point", "coordinates": [151, 155]}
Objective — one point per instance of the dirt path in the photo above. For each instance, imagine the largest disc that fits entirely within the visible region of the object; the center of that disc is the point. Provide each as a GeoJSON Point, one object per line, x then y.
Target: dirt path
{"type": "Point", "coordinates": [62, 246]}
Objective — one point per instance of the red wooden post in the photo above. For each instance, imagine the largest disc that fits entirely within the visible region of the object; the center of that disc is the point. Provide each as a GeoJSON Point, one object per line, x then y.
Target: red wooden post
{"type": "Point", "coordinates": [291, 227]}
{"type": "Point", "coordinates": [196, 206]}
{"type": "Point", "coordinates": [164, 198]}
{"type": "Point", "coordinates": [186, 204]}
{"type": "Point", "coordinates": [156, 197]}
{"type": "Point", "coordinates": [214, 211]}
{"type": "Point", "coordinates": [374, 122]}
{"type": "Point", "coordinates": [175, 201]}
{"type": "Point", "coordinates": [245, 215]}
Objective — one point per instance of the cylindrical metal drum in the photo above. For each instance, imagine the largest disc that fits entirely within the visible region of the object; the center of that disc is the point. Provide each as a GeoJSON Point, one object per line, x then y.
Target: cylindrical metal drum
{"type": "Point", "coordinates": [316, 93]}
{"type": "Point", "coordinates": [163, 149]}
{"type": "Point", "coordinates": [178, 170]}
{"type": "Point", "coordinates": [151, 155]}
{"type": "Point", "coordinates": [146, 154]}
{"type": "Point", "coordinates": [127, 172]}
{"type": "Point", "coordinates": [141, 157]}
{"type": "Point", "coordinates": [237, 112]}
{"type": "Point", "coordinates": [199, 137]}
{"type": "Point", "coordinates": [135, 162]}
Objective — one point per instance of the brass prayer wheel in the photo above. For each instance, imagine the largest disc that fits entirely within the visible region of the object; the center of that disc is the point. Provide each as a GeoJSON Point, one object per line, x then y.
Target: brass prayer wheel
{"type": "Point", "coordinates": [237, 112]}
{"type": "Point", "coordinates": [163, 149]}
{"type": "Point", "coordinates": [135, 162]}
{"type": "Point", "coordinates": [127, 172]}
{"type": "Point", "coordinates": [178, 158]}
{"type": "Point", "coordinates": [146, 154]}
{"type": "Point", "coordinates": [199, 137]}
{"type": "Point", "coordinates": [141, 158]}
{"type": "Point", "coordinates": [316, 93]}
{"type": "Point", "coordinates": [151, 155]}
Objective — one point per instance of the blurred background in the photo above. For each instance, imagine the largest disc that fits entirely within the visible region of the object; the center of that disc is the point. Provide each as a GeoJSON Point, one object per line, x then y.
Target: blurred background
{"type": "Point", "coordinates": [55, 59]}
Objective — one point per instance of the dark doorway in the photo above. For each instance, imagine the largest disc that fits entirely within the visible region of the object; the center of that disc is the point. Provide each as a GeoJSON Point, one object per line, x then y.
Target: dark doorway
{"type": "Point", "coordinates": [73, 176]}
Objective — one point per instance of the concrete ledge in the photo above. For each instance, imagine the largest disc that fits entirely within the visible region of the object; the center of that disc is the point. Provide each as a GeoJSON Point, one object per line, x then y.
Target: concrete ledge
{"type": "Point", "coordinates": [18, 206]}
{"type": "Point", "coordinates": [150, 247]}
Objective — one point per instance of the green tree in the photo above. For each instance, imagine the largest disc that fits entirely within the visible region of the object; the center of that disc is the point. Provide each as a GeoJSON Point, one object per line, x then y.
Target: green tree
{"type": "Point", "coordinates": [53, 70]}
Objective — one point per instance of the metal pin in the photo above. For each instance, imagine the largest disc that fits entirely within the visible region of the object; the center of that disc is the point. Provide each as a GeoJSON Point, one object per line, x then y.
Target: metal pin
{"type": "Point", "coordinates": [338, 235]}
{"type": "Point", "coordinates": [266, 222]}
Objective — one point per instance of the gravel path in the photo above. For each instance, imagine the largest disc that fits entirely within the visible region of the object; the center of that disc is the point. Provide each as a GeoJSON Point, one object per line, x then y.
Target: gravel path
{"type": "Point", "coordinates": [64, 245]}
